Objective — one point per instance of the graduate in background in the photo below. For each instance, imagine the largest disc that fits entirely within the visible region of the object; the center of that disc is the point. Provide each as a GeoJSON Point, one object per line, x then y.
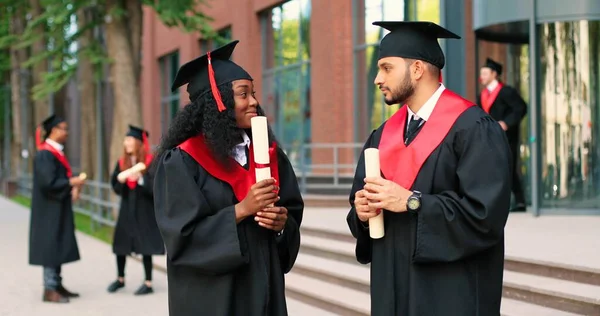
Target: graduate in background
{"type": "Point", "coordinates": [227, 249]}
{"type": "Point", "coordinates": [444, 190]}
{"type": "Point", "coordinates": [136, 230]}
{"type": "Point", "coordinates": [52, 240]}
{"type": "Point", "coordinates": [505, 105]}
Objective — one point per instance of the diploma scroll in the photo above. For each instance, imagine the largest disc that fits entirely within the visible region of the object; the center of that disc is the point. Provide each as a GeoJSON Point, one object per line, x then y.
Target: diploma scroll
{"type": "Point", "coordinates": [83, 176]}
{"type": "Point", "coordinates": [372, 169]}
{"type": "Point", "coordinates": [260, 145]}
{"type": "Point", "coordinates": [123, 175]}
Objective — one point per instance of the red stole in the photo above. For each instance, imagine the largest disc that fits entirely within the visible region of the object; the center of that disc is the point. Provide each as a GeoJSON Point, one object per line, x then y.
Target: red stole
{"type": "Point", "coordinates": [488, 98]}
{"type": "Point", "coordinates": [401, 163]}
{"type": "Point", "coordinates": [60, 156]}
{"type": "Point", "coordinates": [133, 183]}
{"type": "Point", "coordinates": [237, 177]}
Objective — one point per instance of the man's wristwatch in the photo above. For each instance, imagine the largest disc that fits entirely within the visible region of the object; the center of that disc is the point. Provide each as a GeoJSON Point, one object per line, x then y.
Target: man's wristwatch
{"type": "Point", "coordinates": [414, 201]}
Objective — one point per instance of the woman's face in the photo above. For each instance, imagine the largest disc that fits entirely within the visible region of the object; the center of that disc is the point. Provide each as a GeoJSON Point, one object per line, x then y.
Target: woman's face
{"type": "Point", "coordinates": [130, 144]}
{"type": "Point", "coordinates": [245, 102]}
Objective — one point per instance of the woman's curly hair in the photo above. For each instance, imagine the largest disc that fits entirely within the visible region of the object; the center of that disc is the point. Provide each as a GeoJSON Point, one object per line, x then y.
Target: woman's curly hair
{"type": "Point", "coordinates": [202, 116]}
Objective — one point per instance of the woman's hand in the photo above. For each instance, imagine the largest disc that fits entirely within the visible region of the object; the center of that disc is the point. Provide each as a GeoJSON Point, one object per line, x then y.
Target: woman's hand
{"type": "Point", "coordinates": [261, 194]}
{"type": "Point", "coordinates": [273, 218]}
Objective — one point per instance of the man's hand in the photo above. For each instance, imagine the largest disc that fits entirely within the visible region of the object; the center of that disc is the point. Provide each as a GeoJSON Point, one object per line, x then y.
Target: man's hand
{"type": "Point", "coordinates": [503, 125]}
{"type": "Point", "coordinates": [76, 181]}
{"type": "Point", "coordinates": [273, 218]}
{"type": "Point", "coordinates": [385, 194]}
{"type": "Point", "coordinates": [361, 204]}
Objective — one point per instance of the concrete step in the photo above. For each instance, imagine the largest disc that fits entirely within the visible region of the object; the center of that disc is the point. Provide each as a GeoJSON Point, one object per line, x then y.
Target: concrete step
{"type": "Point", "coordinates": [344, 274]}
{"type": "Point", "coordinates": [330, 297]}
{"type": "Point", "coordinates": [512, 307]}
{"type": "Point", "coordinates": [324, 198]}
{"type": "Point", "coordinates": [554, 293]}
{"type": "Point", "coordinates": [328, 248]}
{"type": "Point", "coordinates": [298, 308]}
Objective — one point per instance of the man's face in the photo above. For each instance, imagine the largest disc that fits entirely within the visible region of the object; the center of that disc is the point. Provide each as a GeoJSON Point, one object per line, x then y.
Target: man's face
{"type": "Point", "coordinates": [394, 80]}
{"type": "Point", "coordinates": [487, 75]}
{"type": "Point", "coordinates": [60, 133]}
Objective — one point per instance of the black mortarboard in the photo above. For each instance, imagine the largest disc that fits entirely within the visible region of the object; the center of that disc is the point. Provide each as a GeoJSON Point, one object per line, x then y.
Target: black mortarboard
{"type": "Point", "coordinates": [51, 122]}
{"type": "Point", "coordinates": [414, 40]}
{"type": "Point", "coordinates": [207, 72]}
{"type": "Point", "coordinates": [137, 132]}
{"type": "Point", "coordinates": [48, 124]}
{"type": "Point", "coordinates": [493, 65]}
{"type": "Point", "coordinates": [140, 134]}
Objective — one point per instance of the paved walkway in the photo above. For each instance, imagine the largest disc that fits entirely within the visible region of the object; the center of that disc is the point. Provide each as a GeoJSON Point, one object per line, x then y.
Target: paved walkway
{"type": "Point", "coordinates": [21, 284]}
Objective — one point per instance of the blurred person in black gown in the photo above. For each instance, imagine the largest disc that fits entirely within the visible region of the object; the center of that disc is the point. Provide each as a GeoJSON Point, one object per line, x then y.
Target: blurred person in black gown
{"type": "Point", "coordinates": [136, 230]}
{"type": "Point", "coordinates": [227, 249]}
{"type": "Point", "coordinates": [503, 103]}
{"type": "Point", "coordinates": [52, 240]}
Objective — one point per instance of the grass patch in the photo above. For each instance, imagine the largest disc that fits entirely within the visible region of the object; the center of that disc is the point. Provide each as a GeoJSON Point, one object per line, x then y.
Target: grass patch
{"type": "Point", "coordinates": [83, 223]}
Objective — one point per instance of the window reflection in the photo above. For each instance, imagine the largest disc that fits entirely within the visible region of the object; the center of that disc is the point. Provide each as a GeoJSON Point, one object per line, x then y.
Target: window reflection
{"type": "Point", "coordinates": [286, 80]}
{"type": "Point", "coordinates": [570, 106]}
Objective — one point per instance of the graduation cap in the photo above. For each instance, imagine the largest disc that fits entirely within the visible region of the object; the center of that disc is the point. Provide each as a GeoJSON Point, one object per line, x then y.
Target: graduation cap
{"type": "Point", "coordinates": [209, 71]}
{"type": "Point", "coordinates": [140, 134]}
{"type": "Point", "coordinates": [493, 65]}
{"type": "Point", "coordinates": [48, 124]}
{"type": "Point", "coordinates": [414, 40]}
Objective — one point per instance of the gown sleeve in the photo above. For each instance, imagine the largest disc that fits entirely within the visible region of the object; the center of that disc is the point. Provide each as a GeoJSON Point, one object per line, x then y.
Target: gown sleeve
{"type": "Point", "coordinates": [147, 185]}
{"type": "Point", "coordinates": [518, 108]}
{"type": "Point", "coordinates": [50, 181]}
{"type": "Point", "coordinates": [360, 230]}
{"type": "Point", "coordinates": [288, 244]}
{"type": "Point", "coordinates": [116, 185]}
{"type": "Point", "coordinates": [194, 235]}
{"type": "Point", "coordinates": [453, 225]}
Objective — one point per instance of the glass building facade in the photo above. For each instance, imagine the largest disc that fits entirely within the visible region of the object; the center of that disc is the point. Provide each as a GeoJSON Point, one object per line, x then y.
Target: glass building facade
{"type": "Point", "coordinates": [552, 56]}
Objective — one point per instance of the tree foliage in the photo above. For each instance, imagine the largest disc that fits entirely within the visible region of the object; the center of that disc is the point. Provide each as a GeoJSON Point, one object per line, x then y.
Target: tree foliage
{"type": "Point", "coordinates": [62, 35]}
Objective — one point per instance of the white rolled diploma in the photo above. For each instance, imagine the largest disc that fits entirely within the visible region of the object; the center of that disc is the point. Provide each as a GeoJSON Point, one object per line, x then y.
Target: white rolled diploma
{"type": "Point", "coordinates": [138, 167]}
{"type": "Point", "coordinates": [372, 169]}
{"type": "Point", "coordinates": [260, 144]}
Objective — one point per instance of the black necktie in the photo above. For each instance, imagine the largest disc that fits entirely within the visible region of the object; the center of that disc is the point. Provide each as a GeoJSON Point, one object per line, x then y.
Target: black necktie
{"type": "Point", "coordinates": [413, 127]}
{"type": "Point", "coordinates": [247, 150]}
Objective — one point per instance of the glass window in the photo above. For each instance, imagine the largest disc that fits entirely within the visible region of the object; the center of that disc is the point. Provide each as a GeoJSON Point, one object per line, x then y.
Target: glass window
{"type": "Point", "coordinates": [169, 101]}
{"type": "Point", "coordinates": [570, 114]}
{"type": "Point", "coordinates": [223, 37]}
{"type": "Point", "coordinates": [286, 77]}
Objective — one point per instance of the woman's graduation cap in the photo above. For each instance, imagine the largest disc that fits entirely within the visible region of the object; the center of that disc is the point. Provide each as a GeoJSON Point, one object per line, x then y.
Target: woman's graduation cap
{"type": "Point", "coordinates": [140, 134]}
{"type": "Point", "coordinates": [209, 71]}
{"type": "Point", "coordinates": [493, 65]}
{"type": "Point", "coordinates": [414, 40]}
{"type": "Point", "coordinates": [48, 124]}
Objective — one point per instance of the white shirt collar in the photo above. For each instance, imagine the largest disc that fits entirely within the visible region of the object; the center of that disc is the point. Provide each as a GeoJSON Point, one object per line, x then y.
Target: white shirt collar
{"type": "Point", "coordinates": [54, 144]}
{"type": "Point", "coordinates": [239, 152]}
{"type": "Point", "coordinates": [425, 111]}
{"type": "Point", "coordinates": [492, 85]}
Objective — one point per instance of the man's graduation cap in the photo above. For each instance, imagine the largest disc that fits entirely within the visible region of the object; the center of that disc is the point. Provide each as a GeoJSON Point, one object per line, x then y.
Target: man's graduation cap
{"type": "Point", "coordinates": [140, 134]}
{"type": "Point", "coordinates": [207, 72]}
{"type": "Point", "coordinates": [493, 65]}
{"type": "Point", "coordinates": [48, 124]}
{"type": "Point", "coordinates": [414, 40]}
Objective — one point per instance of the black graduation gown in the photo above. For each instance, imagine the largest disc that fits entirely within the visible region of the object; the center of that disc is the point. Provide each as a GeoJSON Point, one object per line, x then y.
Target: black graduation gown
{"type": "Point", "coordinates": [448, 258]}
{"type": "Point", "coordinates": [510, 108]}
{"type": "Point", "coordinates": [52, 227]}
{"type": "Point", "coordinates": [216, 267]}
{"type": "Point", "coordinates": [136, 230]}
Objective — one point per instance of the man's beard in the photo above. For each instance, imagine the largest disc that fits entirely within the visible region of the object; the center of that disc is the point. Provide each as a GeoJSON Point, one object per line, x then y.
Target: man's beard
{"type": "Point", "coordinates": [401, 94]}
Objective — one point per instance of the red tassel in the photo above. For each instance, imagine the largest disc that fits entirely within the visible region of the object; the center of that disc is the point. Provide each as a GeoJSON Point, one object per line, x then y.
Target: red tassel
{"type": "Point", "coordinates": [145, 143]}
{"type": "Point", "coordinates": [213, 86]}
{"type": "Point", "coordinates": [38, 137]}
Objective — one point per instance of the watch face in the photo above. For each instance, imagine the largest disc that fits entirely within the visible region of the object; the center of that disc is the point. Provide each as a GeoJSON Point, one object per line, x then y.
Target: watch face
{"type": "Point", "coordinates": [413, 204]}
